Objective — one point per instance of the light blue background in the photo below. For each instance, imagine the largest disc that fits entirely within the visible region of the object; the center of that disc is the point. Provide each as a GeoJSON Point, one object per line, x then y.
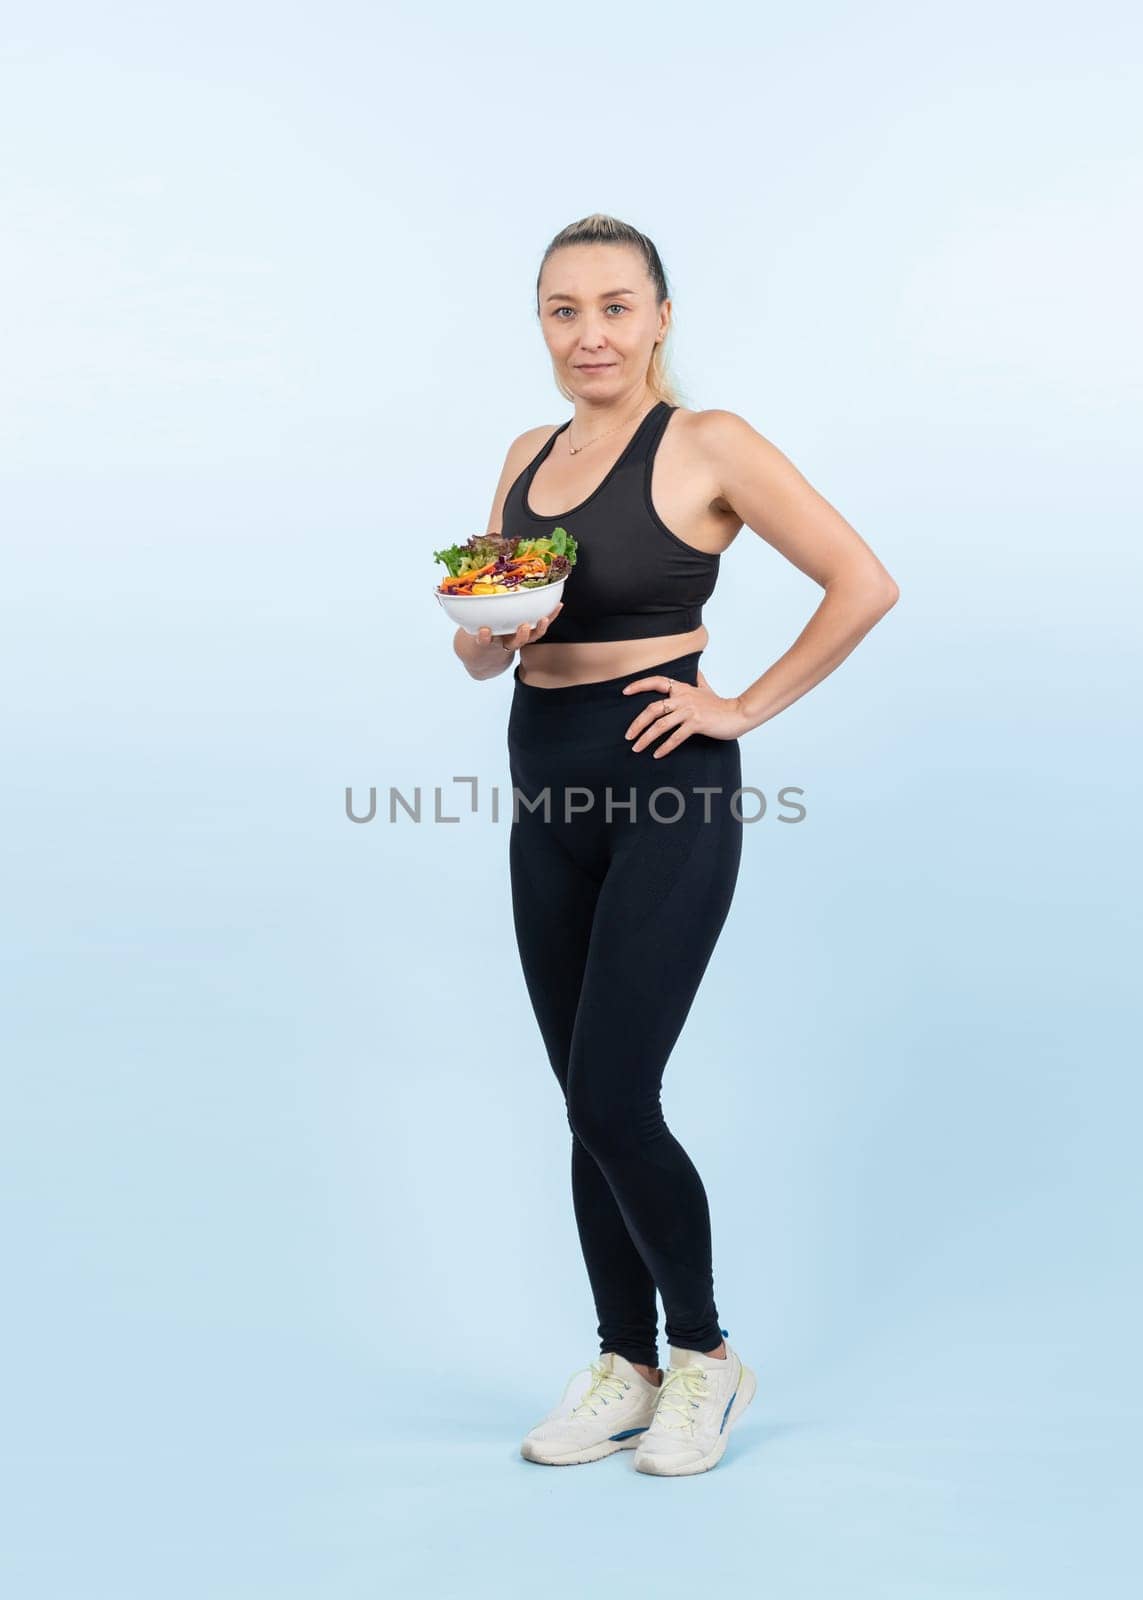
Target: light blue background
{"type": "Point", "coordinates": [290, 1263]}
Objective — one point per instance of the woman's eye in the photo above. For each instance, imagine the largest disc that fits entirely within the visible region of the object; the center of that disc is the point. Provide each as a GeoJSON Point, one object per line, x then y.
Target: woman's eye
{"type": "Point", "coordinates": [614, 306]}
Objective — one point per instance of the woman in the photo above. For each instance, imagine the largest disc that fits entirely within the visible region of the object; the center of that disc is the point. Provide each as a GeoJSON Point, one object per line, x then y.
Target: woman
{"type": "Point", "coordinates": [619, 894]}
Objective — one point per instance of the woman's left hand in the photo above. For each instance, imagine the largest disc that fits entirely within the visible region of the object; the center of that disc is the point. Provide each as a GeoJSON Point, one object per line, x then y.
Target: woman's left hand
{"type": "Point", "coordinates": [685, 708]}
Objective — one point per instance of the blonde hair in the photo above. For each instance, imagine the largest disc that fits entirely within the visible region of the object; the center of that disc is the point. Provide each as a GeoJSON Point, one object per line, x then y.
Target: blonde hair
{"type": "Point", "coordinates": [599, 228]}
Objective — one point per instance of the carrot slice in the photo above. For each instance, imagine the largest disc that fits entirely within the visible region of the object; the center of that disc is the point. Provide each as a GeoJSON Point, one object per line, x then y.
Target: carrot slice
{"type": "Point", "coordinates": [451, 582]}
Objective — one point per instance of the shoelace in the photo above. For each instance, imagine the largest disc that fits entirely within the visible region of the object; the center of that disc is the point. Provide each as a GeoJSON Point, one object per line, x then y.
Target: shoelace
{"type": "Point", "coordinates": [679, 1394]}
{"type": "Point", "coordinates": [596, 1389]}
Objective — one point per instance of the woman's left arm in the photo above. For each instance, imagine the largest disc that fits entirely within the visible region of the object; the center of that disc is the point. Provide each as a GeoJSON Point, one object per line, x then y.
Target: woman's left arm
{"type": "Point", "coordinates": [766, 491]}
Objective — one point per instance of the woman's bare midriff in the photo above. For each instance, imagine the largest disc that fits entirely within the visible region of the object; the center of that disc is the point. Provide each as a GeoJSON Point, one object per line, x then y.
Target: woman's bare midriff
{"type": "Point", "coordinates": [557, 666]}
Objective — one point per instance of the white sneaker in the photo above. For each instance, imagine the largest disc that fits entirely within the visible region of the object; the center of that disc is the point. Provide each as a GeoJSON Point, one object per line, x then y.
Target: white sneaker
{"type": "Point", "coordinates": [612, 1413]}
{"type": "Point", "coordinates": [700, 1400]}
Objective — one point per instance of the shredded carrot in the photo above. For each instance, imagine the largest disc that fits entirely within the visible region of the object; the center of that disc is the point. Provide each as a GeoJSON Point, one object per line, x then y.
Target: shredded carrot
{"type": "Point", "coordinates": [463, 578]}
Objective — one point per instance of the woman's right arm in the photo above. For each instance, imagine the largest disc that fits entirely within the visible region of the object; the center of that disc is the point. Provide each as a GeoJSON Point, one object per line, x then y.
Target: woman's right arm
{"type": "Point", "coordinates": [484, 654]}
{"type": "Point", "coordinates": [487, 655]}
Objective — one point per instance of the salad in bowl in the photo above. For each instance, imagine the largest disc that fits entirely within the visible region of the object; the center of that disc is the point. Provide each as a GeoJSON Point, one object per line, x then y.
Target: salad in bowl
{"type": "Point", "coordinates": [499, 582]}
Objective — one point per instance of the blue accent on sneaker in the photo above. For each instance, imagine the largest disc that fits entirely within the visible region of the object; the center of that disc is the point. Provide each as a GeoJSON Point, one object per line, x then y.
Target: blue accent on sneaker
{"type": "Point", "coordinates": [726, 1413]}
{"type": "Point", "coordinates": [628, 1432]}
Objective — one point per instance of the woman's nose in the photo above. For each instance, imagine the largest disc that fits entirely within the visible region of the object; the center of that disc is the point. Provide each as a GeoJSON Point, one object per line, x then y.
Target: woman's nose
{"type": "Point", "coordinates": [592, 339]}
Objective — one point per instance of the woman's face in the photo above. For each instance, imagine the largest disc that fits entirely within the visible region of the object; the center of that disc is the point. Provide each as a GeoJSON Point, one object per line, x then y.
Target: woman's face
{"type": "Point", "coordinates": [599, 318]}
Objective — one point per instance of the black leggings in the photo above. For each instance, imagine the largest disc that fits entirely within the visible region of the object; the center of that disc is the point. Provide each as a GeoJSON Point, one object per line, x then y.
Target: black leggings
{"type": "Point", "coordinates": [616, 920]}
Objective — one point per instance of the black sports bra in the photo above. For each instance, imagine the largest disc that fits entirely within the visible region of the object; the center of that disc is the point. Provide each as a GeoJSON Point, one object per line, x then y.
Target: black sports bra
{"type": "Point", "coordinates": [633, 578]}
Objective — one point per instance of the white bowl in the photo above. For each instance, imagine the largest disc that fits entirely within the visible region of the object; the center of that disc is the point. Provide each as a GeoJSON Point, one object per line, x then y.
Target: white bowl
{"type": "Point", "coordinates": [503, 613]}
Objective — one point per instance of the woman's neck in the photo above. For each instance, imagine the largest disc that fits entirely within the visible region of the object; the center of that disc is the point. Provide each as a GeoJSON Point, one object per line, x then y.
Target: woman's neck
{"type": "Point", "coordinates": [593, 417]}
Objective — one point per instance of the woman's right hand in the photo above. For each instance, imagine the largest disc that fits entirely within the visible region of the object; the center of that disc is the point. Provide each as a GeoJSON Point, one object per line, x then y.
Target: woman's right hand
{"type": "Point", "coordinates": [526, 633]}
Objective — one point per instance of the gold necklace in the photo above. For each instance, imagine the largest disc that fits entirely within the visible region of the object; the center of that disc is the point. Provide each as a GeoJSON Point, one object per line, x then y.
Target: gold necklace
{"type": "Point", "coordinates": [574, 449]}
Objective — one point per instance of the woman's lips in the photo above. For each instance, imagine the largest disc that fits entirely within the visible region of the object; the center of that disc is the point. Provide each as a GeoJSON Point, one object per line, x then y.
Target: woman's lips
{"type": "Point", "coordinates": [595, 366]}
